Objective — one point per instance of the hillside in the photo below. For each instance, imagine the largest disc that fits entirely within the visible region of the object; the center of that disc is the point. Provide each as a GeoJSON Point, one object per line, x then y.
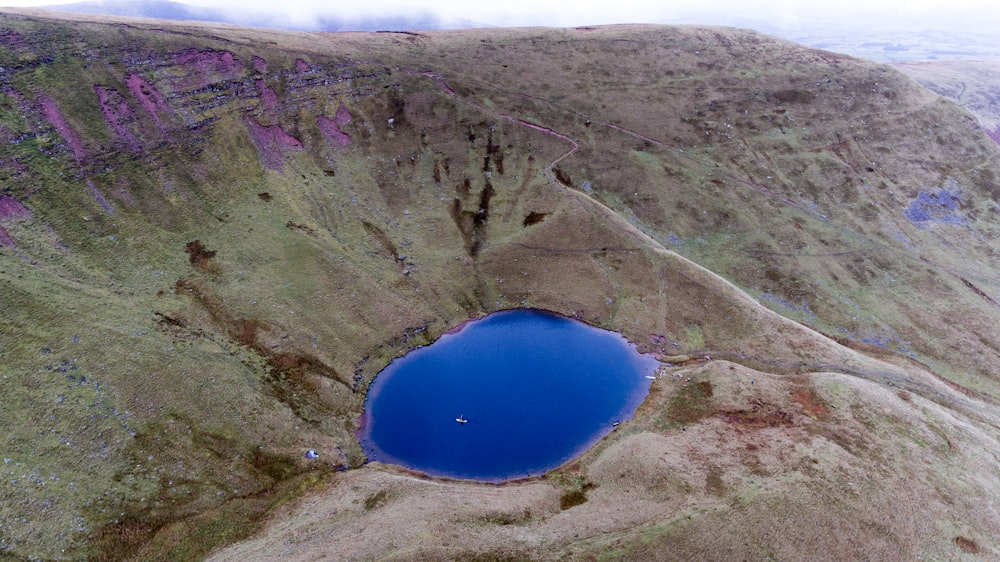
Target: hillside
{"type": "Point", "coordinates": [973, 84]}
{"type": "Point", "coordinates": [212, 238]}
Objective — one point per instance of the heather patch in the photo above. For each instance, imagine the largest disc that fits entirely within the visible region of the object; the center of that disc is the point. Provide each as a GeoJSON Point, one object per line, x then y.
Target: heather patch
{"type": "Point", "coordinates": [886, 338]}
{"type": "Point", "coordinates": [5, 240]}
{"type": "Point", "coordinates": [271, 143]}
{"type": "Point", "coordinates": [788, 306]}
{"type": "Point", "coordinates": [11, 39]}
{"type": "Point", "coordinates": [12, 209]}
{"type": "Point", "coordinates": [58, 121]}
{"type": "Point", "coordinates": [116, 113]}
{"type": "Point", "coordinates": [940, 206]}
{"type": "Point", "coordinates": [268, 99]}
{"type": "Point", "coordinates": [208, 67]}
{"type": "Point", "coordinates": [149, 97]}
{"type": "Point", "coordinates": [331, 128]}
{"type": "Point", "coordinates": [99, 197]}
{"type": "Point", "coordinates": [259, 64]}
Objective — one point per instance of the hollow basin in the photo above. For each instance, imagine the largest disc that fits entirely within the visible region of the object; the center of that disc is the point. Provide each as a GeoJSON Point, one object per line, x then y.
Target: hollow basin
{"type": "Point", "coordinates": [512, 395]}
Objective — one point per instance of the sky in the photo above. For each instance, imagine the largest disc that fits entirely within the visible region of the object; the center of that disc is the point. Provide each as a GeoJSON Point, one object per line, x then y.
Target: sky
{"type": "Point", "coordinates": [954, 15]}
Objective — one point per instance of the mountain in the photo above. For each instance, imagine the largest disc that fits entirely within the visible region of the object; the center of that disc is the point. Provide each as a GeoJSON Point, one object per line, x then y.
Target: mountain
{"type": "Point", "coordinates": [973, 84]}
{"type": "Point", "coordinates": [885, 37]}
{"type": "Point", "coordinates": [213, 238]}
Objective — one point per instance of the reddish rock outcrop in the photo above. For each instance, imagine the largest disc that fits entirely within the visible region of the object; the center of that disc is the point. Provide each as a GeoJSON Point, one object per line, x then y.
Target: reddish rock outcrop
{"type": "Point", "coordinates": [331, 128]}
{"type": "Point", "coordinates": [11, 39]}
{"type": "Point", "coordinates": [5, 240]}
{"type": "Point", "coordinates": [117, 113]}
{"type": "Point", "coordinates": [99, 197]}
{"type": "Point", "coordinates": [56, 119]}
{"type": "Point", "coordinates": [149, 98]}
{"type": "Point", "coordinates": [10, 210]}
{"type": "Point", "coordinates": [268, 100]}
{"type": "Point", "coordinates": [259, 64]}
{"type": "Point", "coordinates": [207, 67]}
{"type": "Point", "coordinates": [272, 143]}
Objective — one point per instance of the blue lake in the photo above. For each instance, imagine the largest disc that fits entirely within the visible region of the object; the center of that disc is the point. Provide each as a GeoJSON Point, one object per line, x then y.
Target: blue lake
{"type": "Point", "coordinates": [535, 390]}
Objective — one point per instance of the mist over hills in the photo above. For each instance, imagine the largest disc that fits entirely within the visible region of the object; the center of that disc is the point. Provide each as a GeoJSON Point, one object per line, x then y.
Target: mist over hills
{"type": "Point", "coordinates": [885, 37]}
{"type": "Point", "coordinates": [178, 11]}
{"type": "Point", "coordinates": [212, 239]}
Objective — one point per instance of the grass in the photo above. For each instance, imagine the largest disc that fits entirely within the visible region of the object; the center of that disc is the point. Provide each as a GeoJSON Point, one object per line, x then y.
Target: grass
{"type": "Point", "coordinates": [221, 333]}
{"type": "Point", "coordinates": [691, 404]}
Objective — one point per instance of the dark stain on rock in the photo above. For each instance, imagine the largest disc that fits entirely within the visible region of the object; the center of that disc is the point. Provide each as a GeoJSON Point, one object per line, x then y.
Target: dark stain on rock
{"type": "Point", "coordinates": [382, 238]}
{"type": "Point", "coordinates": [979, 292]}
{"type": "Point", "coordinates": [563, 176]}
{"type": "Point", "coordinates": [465, 188]}
{"type": "Point", "coordinates": [472, 224]}
{"type": "Point", "coordinates": [200, 256]}
{"type": "Point", "coordinates": [534, 218]}
{"type": "Point", "coordinates": [967, 545]}
{"type": "Point", "coordinates": [494, 155]}
{"type": "Point", "coordinates": [794, 96]}
{"type": "Point", "coordinates": [759, 415]}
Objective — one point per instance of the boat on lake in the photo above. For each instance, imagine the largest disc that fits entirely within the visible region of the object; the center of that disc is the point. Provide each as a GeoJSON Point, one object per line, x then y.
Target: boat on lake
{"type": "Point", "coordinates": [461, 419]}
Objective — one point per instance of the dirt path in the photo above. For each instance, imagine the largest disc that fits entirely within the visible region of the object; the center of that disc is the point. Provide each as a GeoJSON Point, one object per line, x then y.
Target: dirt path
{"type": "Point", "coordinates": [932, 388]}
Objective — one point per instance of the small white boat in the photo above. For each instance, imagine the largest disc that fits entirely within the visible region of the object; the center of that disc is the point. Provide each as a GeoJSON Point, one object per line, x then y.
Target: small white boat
{"type": "Point", "coordinates": [461, 419]}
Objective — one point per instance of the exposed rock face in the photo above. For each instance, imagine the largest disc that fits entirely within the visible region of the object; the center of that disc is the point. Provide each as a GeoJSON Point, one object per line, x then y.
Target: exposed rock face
{"type": "Point", "coordinates": [149, 98]}
{"type": "Point", "coordinates": [12, 209]}
{"type": "Point", "coordinates": [117, 113]}
{"type": "Point", "coordinates": [331, 128]}
{"type": "Point", "coordinates": [56, 119]}
{"type": "Point", "coordinates": [272, 142]}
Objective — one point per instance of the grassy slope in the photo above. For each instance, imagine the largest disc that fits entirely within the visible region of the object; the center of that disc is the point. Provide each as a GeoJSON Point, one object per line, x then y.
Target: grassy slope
{"type": "Point", "coordinates": [970, 83]}
{"type": "Point", "coordinates": [163, 398]}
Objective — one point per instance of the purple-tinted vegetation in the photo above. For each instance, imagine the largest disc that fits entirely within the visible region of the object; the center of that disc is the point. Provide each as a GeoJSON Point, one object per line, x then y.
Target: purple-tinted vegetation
{"type": "Point", "coordinates": [116, 113]}
{"type": "Point", "coordinates": [994, 134]}
{"type": "Point", "coordinates": [259, 64]}
{"type": "Point", "coordinates": [271, 143]}
{"type": "Point", "coordinates": [301, 65]}
{"type": "Point", "coordinates": [11, 39]}
{"type": "Point", "coordinates": [884, 339]}
{"type": "Point", "coordinates": [149, 97]}
{"type": "Point", "coordinates": [56, 119]}
{"type": "Point", "coordinates": [940, 206]}
{"type": "Point", "coordinates": [789, 305]}
{"type": "Point", "coordinates": [268, 99]}
{"type": "Point", "coordinates": [331, 128]}
{"type": "Point", "coordinates": [208, 67]}
{"type": "Point", "coordinates": [5, 240]}
{"type": "Point", "coordinates": [99, 197]}
{"type": "Point", "coordinates": [12, 209]}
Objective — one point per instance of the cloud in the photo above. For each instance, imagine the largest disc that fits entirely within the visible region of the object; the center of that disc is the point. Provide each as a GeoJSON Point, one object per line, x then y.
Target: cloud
{"type": "Point", "coordinates": [886, 14]}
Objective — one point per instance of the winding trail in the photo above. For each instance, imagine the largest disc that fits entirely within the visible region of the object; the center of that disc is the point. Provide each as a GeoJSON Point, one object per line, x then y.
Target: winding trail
{"type": "Point", "coordinates": [955, 398]}
{"type": "Point", "coordinates": [524, 123]}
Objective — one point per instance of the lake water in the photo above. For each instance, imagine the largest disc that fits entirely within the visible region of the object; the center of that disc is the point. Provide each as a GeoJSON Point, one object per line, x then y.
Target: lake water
{"type": "Point", "coordinates": [536, 389]}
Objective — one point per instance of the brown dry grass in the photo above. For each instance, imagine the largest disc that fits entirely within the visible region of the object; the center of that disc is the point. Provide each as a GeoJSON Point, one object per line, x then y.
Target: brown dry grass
{"type": "Point", "coordinates": [714, 170]}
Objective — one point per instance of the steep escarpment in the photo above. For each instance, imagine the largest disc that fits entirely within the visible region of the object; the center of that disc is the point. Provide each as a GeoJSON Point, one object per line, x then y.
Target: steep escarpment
{"type": "Point", "coordinates": [212, 239]}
